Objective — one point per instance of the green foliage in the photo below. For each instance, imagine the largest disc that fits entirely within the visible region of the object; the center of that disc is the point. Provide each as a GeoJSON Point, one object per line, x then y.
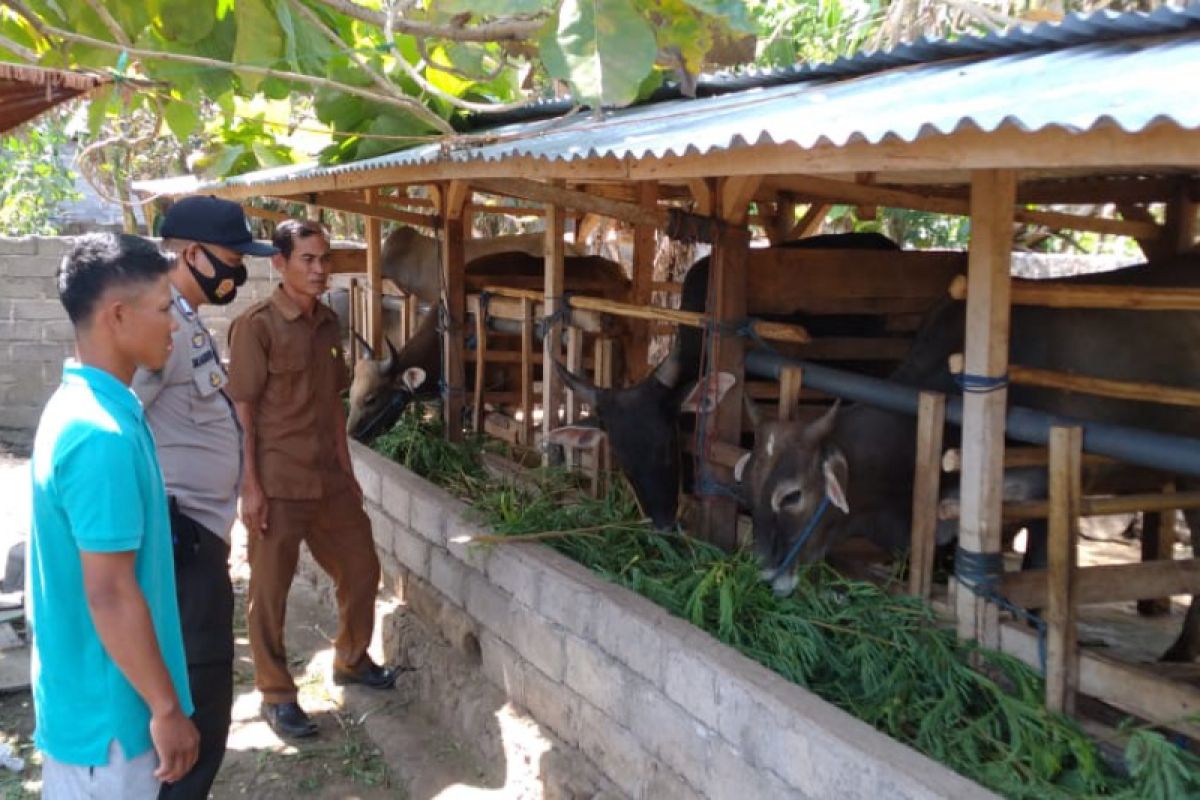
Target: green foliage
{"type": "Point", "coordinates": [34, 182]}
{"type": "Point", "coordinates": [607, 47]}
{"type": "Point", "coordinates": [812, 30]}
{"type": "Point", "coordinates": [879, 656]}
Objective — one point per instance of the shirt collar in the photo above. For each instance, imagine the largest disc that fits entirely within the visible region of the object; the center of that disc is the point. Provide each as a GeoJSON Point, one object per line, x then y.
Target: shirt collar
{"type": "Point", "coordinates": [102, 383]}
{"type": "Point", "coordinates": [291, 312]}
{"type": "Point", "coordinates": [182, 304]}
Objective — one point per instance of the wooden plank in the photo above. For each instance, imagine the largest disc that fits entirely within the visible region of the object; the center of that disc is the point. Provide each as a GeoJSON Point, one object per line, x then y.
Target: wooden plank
{"type": "Point", "coordinates": [735, 194]}
{"type": "Point", "coordinates": [992, 198]}
{"type": "Point", "coordinates": [348, 203]}
{"type": "Point", "coordinates": [454, 300]}
{"type": "Point", "coordinates": [552, 387]}
{"type": "Point", "coordinates": [352, 323]}
{"type": "Point", "coordinates": [791, 381]}
{"type": "Point", "coordinates": [347, 259]}
{"type": "Point", "coordinates": [527, 345]}
{"type": "Point", "coordinates": [481, 360]}
{"type": "Point", "coordinates": [1018, 457]}
{"type": "Point", "coordinates": [256, 212]}
{"type": "Point", "coordinates": [703, 192]}
{"type": "Point", "coordinates": [784, 220]}
{"type": "Point", "coordinates": [810, 223]}
{"type": "Point", "coordinates": [1051, 295]}
{"type": "Point", "coordinates": [644, 250]}
{"type": "Point", "coordinates": [1158, 543]}
{"type": "Point", "coordinates": [374, 237]}
{"type": "Point", "coordinates": [1109, 583]}
{"type": "Point", "coordinates": [1062, 657]}
{"type": "Point", "coordinates": [856, 348]}
{"type": "Point", "coordinates": [1134, 690]}
{"type": "Point", "coordinates": [1090, 506]}
{"type": "Point", "coordinates": [931, 427]}
{"type": "Point", "coordinates": [539, 192]}
{"type": "Point", "coordinates": [575, 364]}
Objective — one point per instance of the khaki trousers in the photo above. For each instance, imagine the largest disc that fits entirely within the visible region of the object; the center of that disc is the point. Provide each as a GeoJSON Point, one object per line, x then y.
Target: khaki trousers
{"type": "Point", "coordinates": [338, 534]}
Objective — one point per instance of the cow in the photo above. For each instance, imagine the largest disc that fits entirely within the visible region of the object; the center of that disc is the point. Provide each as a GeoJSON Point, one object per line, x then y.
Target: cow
{"type": "Point", "coordinates": [642, 421]}
{"type": "Point", "coordinates": [849, 473]}
{"type": "Point", "coordinates": [382, 388]}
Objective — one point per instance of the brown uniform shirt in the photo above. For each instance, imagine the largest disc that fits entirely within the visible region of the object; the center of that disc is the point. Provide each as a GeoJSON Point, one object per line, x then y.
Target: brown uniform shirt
{"type": "Point", "coordinates": [290, 368]}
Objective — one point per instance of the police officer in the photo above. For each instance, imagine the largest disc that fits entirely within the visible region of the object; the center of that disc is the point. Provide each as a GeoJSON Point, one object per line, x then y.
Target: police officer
{"type": "Point", "coordinates": [200, 448]}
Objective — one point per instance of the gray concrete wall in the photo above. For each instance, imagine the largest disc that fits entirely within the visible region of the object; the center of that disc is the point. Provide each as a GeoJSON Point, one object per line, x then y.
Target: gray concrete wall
{"type": "Point", "coordinates": [660, 708]}
{"type": "Point", "coordinates": [35, 334]}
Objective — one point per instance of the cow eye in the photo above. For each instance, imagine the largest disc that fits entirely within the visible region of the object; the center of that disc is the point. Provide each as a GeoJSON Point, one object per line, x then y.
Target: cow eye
{"type": "Point", "coordinates": [791, 499]}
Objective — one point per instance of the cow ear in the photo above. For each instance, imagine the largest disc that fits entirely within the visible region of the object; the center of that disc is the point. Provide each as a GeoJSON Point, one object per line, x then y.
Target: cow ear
{"type": "Point", "coordinates": [837, 474]}
{"type": "Point", "coordinates": [583, 436]}
{"type": "Point", "coordinates": [413, 378]}
{"type": "Point", "coordinates": [705, 396]}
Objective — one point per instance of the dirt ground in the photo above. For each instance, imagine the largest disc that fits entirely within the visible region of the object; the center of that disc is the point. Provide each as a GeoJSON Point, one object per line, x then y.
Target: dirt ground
{"type": "Point", "coordinates": [372, 744]}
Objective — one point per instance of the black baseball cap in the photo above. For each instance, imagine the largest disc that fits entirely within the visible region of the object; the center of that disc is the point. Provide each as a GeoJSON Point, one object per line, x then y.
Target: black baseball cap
{"type": "Point", "coordinates": [211, 220]}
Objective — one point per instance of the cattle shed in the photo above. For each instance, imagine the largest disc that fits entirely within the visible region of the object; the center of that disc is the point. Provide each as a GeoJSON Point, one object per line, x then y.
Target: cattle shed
{"type": "Point", "coordinates": [26, 92]}
{"type": "Point", "coordinates": [1099, 111]}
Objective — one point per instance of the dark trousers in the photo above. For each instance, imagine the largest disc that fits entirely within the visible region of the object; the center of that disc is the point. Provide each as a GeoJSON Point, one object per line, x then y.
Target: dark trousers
{"type": "Point", "coordinates": [205, 595]}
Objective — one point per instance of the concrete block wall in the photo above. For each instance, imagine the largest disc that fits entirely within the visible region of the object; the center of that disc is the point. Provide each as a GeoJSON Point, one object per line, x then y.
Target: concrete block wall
{"type": "Point", "coordinates": [35, 334]}
{"type": "Point", "coordinates": [660, 708]}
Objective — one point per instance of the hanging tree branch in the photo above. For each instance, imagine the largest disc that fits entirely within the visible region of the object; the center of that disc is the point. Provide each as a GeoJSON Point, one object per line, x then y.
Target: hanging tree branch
{"type": "Point", "coordinates": [449, 69]}
{"type": "Point", "coordinates": [407, 103]}
{"type": "Point", "coordinates": [18, 50]}
{"type": "Point", "coordinates": [499, 31]}
{"type": "Point", "coordinates": [113, 26]}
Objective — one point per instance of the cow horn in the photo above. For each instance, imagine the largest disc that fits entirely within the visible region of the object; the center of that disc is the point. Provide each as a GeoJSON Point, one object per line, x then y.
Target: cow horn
{"type": "Point", "coordinates": [668, 371]}
{"type": "Point", "coordinates": [365, 345]}
{"type": "Point", "coordinates": [584, 389]}
{"type": "Point", "coordinates": [392, 361]}
{"type": "Point", "coordinates": [823, 426]}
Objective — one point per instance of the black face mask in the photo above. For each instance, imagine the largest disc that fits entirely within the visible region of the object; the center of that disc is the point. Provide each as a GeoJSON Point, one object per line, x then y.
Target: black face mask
{"type": "Point", "coordinates": [221, 287]}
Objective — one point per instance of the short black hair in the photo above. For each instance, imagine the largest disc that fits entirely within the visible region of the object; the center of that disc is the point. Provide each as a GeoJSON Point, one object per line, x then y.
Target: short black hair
{"type": "Point", "coordinates": [288, 231]}
{"type": "Point", "coordinates": [99, 261]}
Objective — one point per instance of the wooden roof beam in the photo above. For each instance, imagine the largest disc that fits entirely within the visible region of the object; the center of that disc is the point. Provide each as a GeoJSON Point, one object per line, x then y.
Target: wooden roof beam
{"type": "Point", "coordinates": [569, 198]}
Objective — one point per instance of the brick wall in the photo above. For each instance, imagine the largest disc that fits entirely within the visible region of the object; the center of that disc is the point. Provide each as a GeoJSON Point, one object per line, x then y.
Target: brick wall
{"type": "Point", "coordinates": [659, 707]}
{"type": "Point", "coordinates": [35, 335]}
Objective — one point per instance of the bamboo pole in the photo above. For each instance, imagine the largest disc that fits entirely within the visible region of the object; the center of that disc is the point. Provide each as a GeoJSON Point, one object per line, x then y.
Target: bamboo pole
{"type": "Point", "coordinates": [1062, 656]}
{"type": "Point", "coordinates": [791, 381]}
{"type": "Point", "coordinates": [1018, 457]}
{"type": "Point", "coordinates": [774, 331]}
{"type": "Point", "coordinates": [1089, 507]}
{"type": "Point", "coordinates": [931, 425]}
{"type": "Point", "coordinates": [1057, 295]}
{"type": "Point", "coordinates": [1087, 384]}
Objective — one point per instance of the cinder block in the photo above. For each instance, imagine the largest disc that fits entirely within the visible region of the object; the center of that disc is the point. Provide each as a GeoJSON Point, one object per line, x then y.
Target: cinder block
{"type": "Point", "coordinates": [56, 246]}
{"type": "Point", "coordinates": [18, 246]}
{"type": "Point", "coordinates": [488, 606]}
{"type": "Point", "coordinates": [395, 498]}
{"type": "Point", "coordinates": [381, 528]}
{"type": "Point", "coordinates": [553, 705]}
{"type": "Point", "coordinates": [35, 310]}
{"type": "Point", "coordinates": [26, 393]}
{"type": "Point", "coordinates": [446, 573]}
{"type": "Point", "coordinates": [538, 640]}
{"type": "Point", "coordinates": [665, 783]}
{"type": "Point", "coordinates": [730, 774]}
{"type": "Point", "coordinates": [614, 750]}
{"type": "Point", "coordinates": [595, 677]}
{"type": "Point", "coordinates": [58, 331]}
{"type": "Point", "coordinates": [762, 734]}
{"type": "Point", "coordinates": [509, 569]}
{"type": "Point", "coordinates": [411, 550]}
{"type": "Point", "coordinates": [368, 479]}
{"type": "Point", "coordinates": [44, 267]}
{"type": "Point", "coordinates": [22, 418]}
{"type": "Point", "coordinates": [503, 667]}
{"type": "Point", "coordinates": [29, 288]}
{"type": "Point", "coordinates": [567, 602]}
{"type": "Point", "coordinates": [666, 730]}
{"type": "Point", "coordinates": [428, 517]}
{"type": "Point", "coordinates": [691, 683]}
{"type": "Point", "coordinates": [38, 352]}
{"type": "Point", "coordinates": [636, 640]}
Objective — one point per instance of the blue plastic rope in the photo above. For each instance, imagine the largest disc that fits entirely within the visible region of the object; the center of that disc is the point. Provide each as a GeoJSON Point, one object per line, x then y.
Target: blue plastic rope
{"type": "Point", "coordinates": [809, 529]}
{"type": "Point", "coordinates": [980, 384]}
{"type": "Point", "coordinates": [981, 574]}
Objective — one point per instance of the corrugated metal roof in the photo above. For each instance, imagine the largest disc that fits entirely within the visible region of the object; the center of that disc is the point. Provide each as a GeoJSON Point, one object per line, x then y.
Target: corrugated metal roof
{"type": "Point", "coordinates": [27, 91]}
{"type": "Point", "coordinates": [1129, 83]}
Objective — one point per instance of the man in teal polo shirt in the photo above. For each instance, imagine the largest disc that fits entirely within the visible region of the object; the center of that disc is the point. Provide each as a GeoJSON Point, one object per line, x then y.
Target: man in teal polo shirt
{"type": "Point", "coordinates": [110, 682]}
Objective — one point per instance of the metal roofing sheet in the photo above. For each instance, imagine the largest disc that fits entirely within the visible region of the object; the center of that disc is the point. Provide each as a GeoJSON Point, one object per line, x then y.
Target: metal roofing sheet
{"type": "Point", "coordinates": [1131, 84]}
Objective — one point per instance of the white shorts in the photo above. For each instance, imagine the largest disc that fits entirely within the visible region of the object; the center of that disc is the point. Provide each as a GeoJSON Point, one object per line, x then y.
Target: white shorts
{"type": "Point", "coordinates": [128, 779]}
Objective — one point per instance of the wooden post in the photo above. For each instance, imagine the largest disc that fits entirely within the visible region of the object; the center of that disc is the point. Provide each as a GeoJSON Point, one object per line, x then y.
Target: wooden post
{"type": "Point", "coordinates": [452, 197]}
{"type": "Point", "coordinates": [727, 302]}
{"type": "Point", "coordinates": [412, 310]}
{"type": "Point", "coordinates": [791, 381]}
{"type": "Point", "coordinates": [1062, 654]}
{"type": "Point", "coordinates": [552, 342]}
{"type": "Point", "coordinates": [993, 195]}
{"type": "Point", "coordinates": [352, 321]}
{"type": "Point", "coordinates": [575, 366]}
{"type": "Point", "coordinates": [644, 250]}
{"type": "Point", "coordinates": [785, 220]}
{"type": "Point", "coordinates": [527, 323]}
{"type": "Point", "coordinates": [931, 426]}
{"type": "Point", "coordinates": [374, 235]}
{"type": "Point", "coordinates": [481, 347]}
{"type": "Point", "coordinates": [1158, 543]}
{"type": "Point", "coordinates": [602, 367]}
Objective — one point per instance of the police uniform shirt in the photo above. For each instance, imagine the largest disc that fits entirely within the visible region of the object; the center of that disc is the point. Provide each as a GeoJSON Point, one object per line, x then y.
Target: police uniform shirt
{"type": "Point", "coordinates": [198, 437]}
{"type": "Point", "coordinates": [290, 367]}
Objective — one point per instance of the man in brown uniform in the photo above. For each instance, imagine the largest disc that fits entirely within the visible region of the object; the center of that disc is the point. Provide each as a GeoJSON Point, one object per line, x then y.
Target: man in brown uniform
{"type": "Point", "coordinates": [286, 374]}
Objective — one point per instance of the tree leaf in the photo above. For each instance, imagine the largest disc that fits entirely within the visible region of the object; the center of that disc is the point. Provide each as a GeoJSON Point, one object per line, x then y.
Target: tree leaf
{"type": "Point", "coordinates": [223, 161]}
{"type": "Point", "coordinates": [608, 47]}
{"type": "Point", "coordinates": [186, 21]}
{"type": "Point", "coordinates": [98, 109]}
{"type": "Point", "coordinates": [394, 123]}
{"type": "Point", "coordinates": [492, 8]}
{"type": "Point", "coordinates": [732, 11]}
{"type": "Point", "coordinates": [283, 12]}
{"type": "Point", "coordinates": [182, 118]}
{"type": "Point", "coordinates": [270, 155]}
{"type": "Point", "coordinates": [554, 60]}
{"type": "Point", "coordinates": [259, 39]}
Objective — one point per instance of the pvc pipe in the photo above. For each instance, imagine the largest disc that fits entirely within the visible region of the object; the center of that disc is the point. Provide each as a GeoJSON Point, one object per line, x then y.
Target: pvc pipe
{"type": "Point", "coordinates": [1178, 455]}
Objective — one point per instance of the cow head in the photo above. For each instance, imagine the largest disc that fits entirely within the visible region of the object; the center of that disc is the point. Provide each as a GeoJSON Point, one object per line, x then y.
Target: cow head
{"type": "Point", "coordinates": [794, 474]}
{"type": "Point", "coordinates": [641, 423]}
{"type": "Point", "coordinates": [379, 393]}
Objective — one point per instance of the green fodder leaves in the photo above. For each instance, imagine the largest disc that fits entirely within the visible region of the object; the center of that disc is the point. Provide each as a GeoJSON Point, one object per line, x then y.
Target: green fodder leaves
{"type": "Point", "coordinates": [880, 657]}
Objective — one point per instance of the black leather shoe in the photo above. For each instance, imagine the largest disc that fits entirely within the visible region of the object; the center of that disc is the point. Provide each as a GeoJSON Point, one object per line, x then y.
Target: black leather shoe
{"type": "Point", "coordinates": [288, 720]}
{"type": "Point", "coordinates": [367, 674]}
